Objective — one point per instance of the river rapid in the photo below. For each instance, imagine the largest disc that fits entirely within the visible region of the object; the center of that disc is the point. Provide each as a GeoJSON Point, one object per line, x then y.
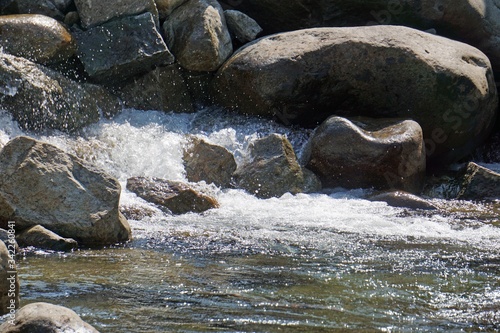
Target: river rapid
{"type": "Point", "coordinates": [327, 262]}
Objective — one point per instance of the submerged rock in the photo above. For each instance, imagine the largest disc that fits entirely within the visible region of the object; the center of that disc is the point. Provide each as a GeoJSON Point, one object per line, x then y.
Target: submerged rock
{"type": "Point", "coordinates": [96, 12]}
{"type": "Point", "coordinates": [403, 199]}
{"type": "Point", "coordinates": [46, 318]}
{"type": "Point", "coordinates": [302, 77]}
{"type": "Point", "coordinates": [122, 48]}
{"type": "Point", "coordinates": [42, 238]}
{"type": "Point", "coordinates": [44, 40]}
{"type": "Point", "coordinates": [9, 281]}
{"type": "Point", "coordinates": [177, 197]}
{"type": "Point", "coordinates": [480, 183]}
{"type": "Point", "coordinates": [63, 194]}
{"type": "Point", "coordinates": [197, 35]}
{"type": "Point", "coordinates": [207, 162]}
{"type": "Point", "coordinates": [274, 170]}
{"type": "Point", "coordinates": [364, 153]}
{"type": "Point", "coordinates": [39, 98]}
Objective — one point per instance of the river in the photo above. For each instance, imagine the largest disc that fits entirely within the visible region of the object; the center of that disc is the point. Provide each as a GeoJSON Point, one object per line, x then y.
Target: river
{"type": "Point", "coordinates": [327, 262]}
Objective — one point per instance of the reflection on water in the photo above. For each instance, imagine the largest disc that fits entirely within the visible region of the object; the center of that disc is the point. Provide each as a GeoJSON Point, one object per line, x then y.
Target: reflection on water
{"type": "Point", "coordinates": [329, 262]}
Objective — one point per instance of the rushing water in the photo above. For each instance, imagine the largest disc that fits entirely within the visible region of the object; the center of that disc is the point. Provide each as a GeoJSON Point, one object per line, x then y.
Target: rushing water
{"type": "Point", "coordinates": [329, 262]}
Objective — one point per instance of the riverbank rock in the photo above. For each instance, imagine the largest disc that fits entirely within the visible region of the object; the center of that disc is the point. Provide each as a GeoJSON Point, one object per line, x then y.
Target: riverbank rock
{"type": "Point", "coordinates": [273, 170]}
{"type": "Point", "coordinates": [177, 197]}
{"type": "Point", "coordinates": [51, 8]}
{"type": "Point", "coordinates": [42, 238]}
{"type": "Point", "coordinates": [470, 21]}
{"type": "Point", "coordinates": [9, 238]}
{"type": "Point", "coordinates": [302, 77]}
{"type": "Point", "coordinates": [64, 194]}
{"type": "Point", "coordinates": [166, 7]}
{"type": "Point", "coordinates": [241, 26]}
{"type": "Point", "coordinates": [403, 199]}
{"type": "Point", "coordinates": [9, 282]}
{"type": "Point", "coordinates": [46, 318]}
{"type": "Point", "coordinates": [39, 98]}
{"type": "Point", "coordinates": [365, 153]}
{"type": "Point", "coordinates": [197, 35]}
{"type": "Point", "coordinates": [207, 162]}
{"type": "Point", "coordinates": [122, 48]}
{"type": "Point", "coordinates": [44, 41]}
{"type": "Point", "coordinates": [162, 89]}
{"type": "Point", "coordinates": [96, 12]}
{"type": "Point", "coordinates": [480, 183]}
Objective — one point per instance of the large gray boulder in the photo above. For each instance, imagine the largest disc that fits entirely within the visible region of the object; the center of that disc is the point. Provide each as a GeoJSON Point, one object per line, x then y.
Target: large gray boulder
{"type": "Point", "coordinates": [304, 76]}
{"type": "Point", "coordinates": [207, 162]}
{"type": "Point", "coordinates": [39, 98]}
{"type": "Point", "coordinates": [273, 170]}
{"type": "Point", "coordinates": [365, 153]}
{"type": "Point", "coordinates": [41, 184]}
{"type": "Point", "coordinates": [479, 183]}
{"type": "Point", "coordinates": [44, 41]}
{"type": "Point", "coordinates": [122, 48]}
{"type": "Point", "coordinates": [197, 35]}
{"type": "Point", "coordinates": [96, 12]}
{"type": "Point", "coordinates": [46, 318]}
{"type": "Point", "coordinates": [162, 89]}
{"type": "Point", "coordinates": [173, 196]}
{"type": "Point", "coordinates": [9, 281]}
{"type": "Point", "coordinates": [471, 21]}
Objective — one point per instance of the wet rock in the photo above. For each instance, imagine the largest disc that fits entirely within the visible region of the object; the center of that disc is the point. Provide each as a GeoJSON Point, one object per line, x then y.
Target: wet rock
{"type": "Point", "coordinates": [207, 162]}
{"type": "Point", "coordinates": [64, 194]}
{"type": "Point", "coordinates": [177, 197]}
{"type": "Point", "coordinates": [46, 318]}
{"type": "Point", "coordinates": [273, 170]}
{"type": "Point", "coordinates": [122, 48]}
{"type": "Point", "coordinates": [365, 153]}
{"type": "Point", "coordinates": [51, 8]}
{"type": "Point", "coordinates": [166, 7]}
{"type": "Point", "coordinates": [302, 77]}
{"type": "Point", "coordinates": [197, 35]}
{"type": "Point", "coordinates": [42, 238]}
{"type": "Point", "coordinates": [480, 183]}
{"type": "Point", "coordinates": [44, 41]}
{"type": "Point", "coordinates": [39, 98]}
{"type": "Point", "coordinates": [161, 89]}
{"type": "Point", "coordinates": [9, 281]}
{"type": "Point", "coordinates": [96, 12]}
{"type": "Point", "coordinates": [403, 199]}
{"type": "Point", "coordinates": [241, 26]}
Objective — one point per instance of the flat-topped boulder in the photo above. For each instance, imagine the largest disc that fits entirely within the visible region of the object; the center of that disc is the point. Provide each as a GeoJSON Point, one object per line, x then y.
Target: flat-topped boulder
{"type": "Point", "coordinates": [304, 76]}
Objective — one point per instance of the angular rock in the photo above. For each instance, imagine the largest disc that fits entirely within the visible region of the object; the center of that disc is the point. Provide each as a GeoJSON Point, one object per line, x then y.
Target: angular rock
{"type": "Point", "coordinates": [42, 238]}
{"type": "Point", "coordinates": [96, 12]}
{"type": "Point", "coordinates": [197, 35]}
{"type": "Point", "coordinates": [480, 183]}
{"type": "Point", "coordinates": [404, 200]}
{"type": "Point", "coordinates": [274, 170]}
{"type": "Point", "coordinates": [241, 26]}
{"type": "Point", "coordinates": [302, 77]}
{"type": "Point", "coordinates": [63, 194]}
{"type": "Point", "coordinates": [161, 89]}
{"type": "Point", "coordinates": [44, 41]}
{"type": "Point", "coordinates": [365, 153]}
{"type": "Point", "coordinates": [46, 318]}
{"type": "Point", "coordinates": [207, 162]}
{"type": "Point", "coordinates": [166, 7]}
{"type": "Point", "coordinates": [51, 8]}
{"type": "Point", "coordinates": [177, 197]}
{"type": "Point", "coordinates": [122, 48]}
{"type": "Point", "coordinates": [39, 98]}
{"type": "Point", "coordinates": [9, 281]}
